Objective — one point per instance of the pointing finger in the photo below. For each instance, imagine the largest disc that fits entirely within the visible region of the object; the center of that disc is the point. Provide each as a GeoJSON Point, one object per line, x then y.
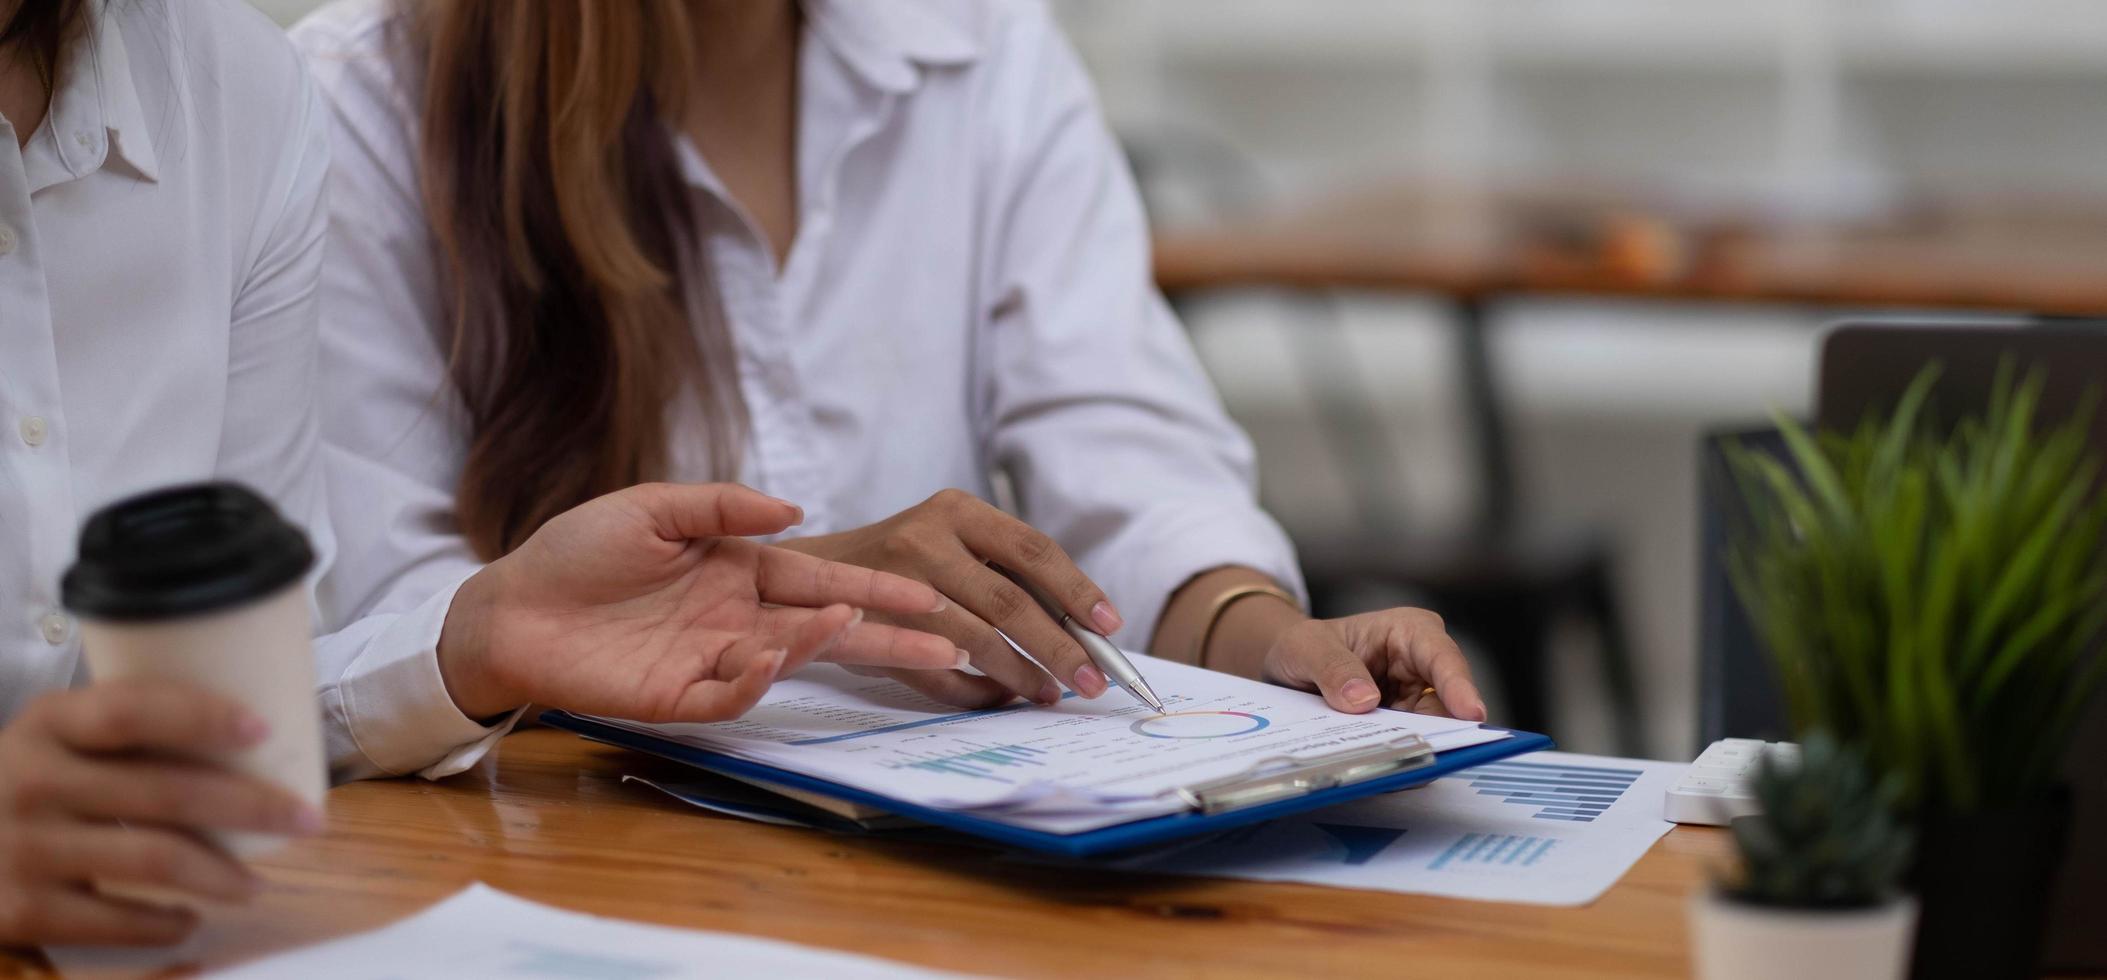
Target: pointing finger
{"type": "Point", "coordinates": [793, 578]}
{"type": "Point", "coordinates": [879, 645]}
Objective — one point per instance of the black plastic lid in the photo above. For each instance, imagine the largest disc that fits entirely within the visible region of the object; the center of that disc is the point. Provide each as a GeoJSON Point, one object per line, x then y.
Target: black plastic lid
{"type": "Point", "coordinates": [180, 551]}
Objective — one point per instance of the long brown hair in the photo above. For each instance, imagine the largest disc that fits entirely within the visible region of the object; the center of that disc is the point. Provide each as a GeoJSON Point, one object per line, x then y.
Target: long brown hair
{"type": "Point", "coordinates": [554, 194]}
{"type": "Point", "coordinates": [41, 28]}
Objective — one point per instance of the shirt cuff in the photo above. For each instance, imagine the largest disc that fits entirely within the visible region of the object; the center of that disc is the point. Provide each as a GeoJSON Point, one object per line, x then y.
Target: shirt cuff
{"type": "Point", "coordinates": [1169, 546]}
{"type": "Point", "coordinates": [396, 704]}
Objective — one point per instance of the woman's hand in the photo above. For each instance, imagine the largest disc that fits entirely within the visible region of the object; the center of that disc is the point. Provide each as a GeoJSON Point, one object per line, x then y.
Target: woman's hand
{"type": "Point", "coordinates": [1397, 657]}
{"type": "Point", "coordinates": [1401, 658]}
{"type": "Point", "coordinates": [645, 604]}
{"type": "Point", "coordinates": [100, 785]}
{"type": "Point", "coordinates": [949, 541]}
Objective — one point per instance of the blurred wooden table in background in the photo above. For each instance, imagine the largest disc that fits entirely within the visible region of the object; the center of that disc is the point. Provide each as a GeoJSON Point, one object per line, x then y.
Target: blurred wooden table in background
{"type": "Point", "coordinates": [548, 818]}
{"type": "Point", "coordinates": [2040, 255]}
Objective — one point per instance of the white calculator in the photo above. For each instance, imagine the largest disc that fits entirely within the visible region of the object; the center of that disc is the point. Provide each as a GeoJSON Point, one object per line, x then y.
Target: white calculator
{"type": "Point", "coordinates": [1715, 789]}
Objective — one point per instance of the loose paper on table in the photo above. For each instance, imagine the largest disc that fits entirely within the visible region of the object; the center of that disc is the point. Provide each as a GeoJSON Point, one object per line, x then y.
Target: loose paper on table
{"type": "Point", "coordinates": [1546, 828]}
{"type": "Point", "coordinates": [483, 932]}
{"type": "Point", "coordinates": [1075, 766]}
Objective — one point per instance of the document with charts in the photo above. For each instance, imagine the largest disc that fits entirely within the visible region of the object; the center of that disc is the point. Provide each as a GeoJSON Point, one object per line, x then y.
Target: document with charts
{"type": "Point", "coordinates": [1547, 828]}
{"type": "Point", "coordinates": [1074, 766]}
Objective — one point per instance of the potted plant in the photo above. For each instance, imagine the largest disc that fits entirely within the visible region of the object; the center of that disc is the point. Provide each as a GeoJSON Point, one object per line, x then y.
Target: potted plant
{"type": "Point", "coordinates": [1815, 894]}
{"type": "Point", "coordinates": [1935, 593]}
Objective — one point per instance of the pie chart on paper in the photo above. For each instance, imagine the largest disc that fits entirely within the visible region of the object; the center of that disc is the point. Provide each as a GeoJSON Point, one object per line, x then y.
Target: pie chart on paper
{"type": "Point", "coordinates": [1199, 724]}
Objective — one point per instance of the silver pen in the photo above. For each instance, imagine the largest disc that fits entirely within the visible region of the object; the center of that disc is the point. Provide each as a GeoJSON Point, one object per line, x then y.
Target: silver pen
{"type": "Point", "coordinates": [1114, 663]}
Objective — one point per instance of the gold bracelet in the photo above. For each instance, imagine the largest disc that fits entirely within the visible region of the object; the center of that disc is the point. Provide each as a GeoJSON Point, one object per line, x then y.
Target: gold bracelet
{"type": "Point", "coordinates": [1221, 605]}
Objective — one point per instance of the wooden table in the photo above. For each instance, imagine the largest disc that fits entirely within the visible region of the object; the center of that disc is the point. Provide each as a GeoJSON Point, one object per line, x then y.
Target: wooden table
{"type": "Point", "coordinates": [2021, 254]}
{"type": "Point", "coordinates": [548, 818]}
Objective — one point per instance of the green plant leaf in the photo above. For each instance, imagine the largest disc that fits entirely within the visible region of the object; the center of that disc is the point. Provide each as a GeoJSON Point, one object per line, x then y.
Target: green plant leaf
{"type": "Point", "coordinates": [2021, 571]}
{"type": "Point", "coordinates": [1933, 596]}
{"type": "Point", "coordinates": [1817, 470]}
{"type": "Point", "coordinates": [2024, 641]}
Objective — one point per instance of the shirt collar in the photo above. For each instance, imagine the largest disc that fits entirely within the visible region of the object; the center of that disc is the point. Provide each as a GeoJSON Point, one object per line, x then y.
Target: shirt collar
{"type": "Point", "coordinates": [883, 41]}
{"type": "Point", "coordinates": [96, 108]}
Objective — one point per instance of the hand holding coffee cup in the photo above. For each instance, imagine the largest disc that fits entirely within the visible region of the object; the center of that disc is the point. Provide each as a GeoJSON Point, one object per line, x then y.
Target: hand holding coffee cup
{"type": "Point", "coordinates": [199, 731]}
{"type": "Point", "coordinates": [201, 586]}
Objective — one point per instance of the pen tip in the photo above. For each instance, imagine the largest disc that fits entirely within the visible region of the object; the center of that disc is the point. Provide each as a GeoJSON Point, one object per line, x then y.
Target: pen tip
{"type": "Point", "coordinates": [1140, 689]}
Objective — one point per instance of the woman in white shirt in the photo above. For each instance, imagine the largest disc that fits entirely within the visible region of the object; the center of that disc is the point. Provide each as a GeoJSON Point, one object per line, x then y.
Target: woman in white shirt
{"type": "Point", "coordinates": [864, 255]}
{"type": "Point", "coordinates": [161, 235]}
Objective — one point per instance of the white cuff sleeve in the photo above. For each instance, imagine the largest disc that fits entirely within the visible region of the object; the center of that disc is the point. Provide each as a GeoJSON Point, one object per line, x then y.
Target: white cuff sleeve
{"type": "Point", "coordinates": [388, 710]}
{"type": "Point", "coordinates": [1166, 546]}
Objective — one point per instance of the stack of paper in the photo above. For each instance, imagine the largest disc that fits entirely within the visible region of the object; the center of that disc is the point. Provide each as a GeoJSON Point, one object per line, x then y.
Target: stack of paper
{"type": "Point", "coordinates": [1071, 767]}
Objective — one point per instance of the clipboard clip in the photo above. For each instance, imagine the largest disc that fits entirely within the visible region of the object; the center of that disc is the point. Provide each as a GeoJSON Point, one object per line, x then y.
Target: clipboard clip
{"type": "Point", "coordinates": [1282, 777]}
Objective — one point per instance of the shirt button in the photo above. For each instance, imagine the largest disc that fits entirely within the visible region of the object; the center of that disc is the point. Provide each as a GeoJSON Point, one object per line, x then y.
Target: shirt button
{"type": "Point", "coordinates": [34, 429]}
{"type": "Point", "coordinates": [54, 626]}
{"type": "Point", "coordinates": [85, 138]}
{"type": "Point", "coordinates": [7, 240]}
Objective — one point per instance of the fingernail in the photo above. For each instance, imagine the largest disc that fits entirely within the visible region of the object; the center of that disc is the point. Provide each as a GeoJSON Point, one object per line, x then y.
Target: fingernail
{"type": "Point", "coordinates": [1050, 694]}
{"type": "Point", "coordinates": [794, 521]}
{"type": "Point", "coordinates": [855, 619]}
{"type": "Point", "coordinates": [772, 662]}
{"type": "Point", "coordinates": [1090, 681]}
{"type": "Point", "coordinates": [1106, 618]}
{"type": "Point", "coordinates": [1358, 692]}
{"type": "Point", "coordinates": [309, 820]}
{"type": "Point", "coordinates": [964, 660]}
{"type": "Point", "coordinates": [251, 729]}
{"type": "Point", "coordinates": [941, 605]}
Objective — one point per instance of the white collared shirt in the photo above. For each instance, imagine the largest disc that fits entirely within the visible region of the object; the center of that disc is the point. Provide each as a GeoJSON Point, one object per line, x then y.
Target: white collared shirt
{"type": "Point", "coordinates": [968, 292]}
{"type": "Point", "coordinates": [161, 246]}
{"type": "Point", "coordinates": [160, 240]}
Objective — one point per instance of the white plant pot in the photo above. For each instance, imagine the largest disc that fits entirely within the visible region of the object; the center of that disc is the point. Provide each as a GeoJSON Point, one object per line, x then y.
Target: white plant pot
{"type": "Point", "coordinates": [1733, 940]}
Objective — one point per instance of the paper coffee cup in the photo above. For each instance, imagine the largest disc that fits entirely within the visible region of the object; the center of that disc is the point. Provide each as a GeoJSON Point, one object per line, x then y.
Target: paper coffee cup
{"type": "Point", "coordinates": [202, 584]}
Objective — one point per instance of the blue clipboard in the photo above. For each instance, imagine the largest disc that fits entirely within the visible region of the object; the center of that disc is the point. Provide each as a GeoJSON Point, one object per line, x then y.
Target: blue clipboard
{"type": "Point", "coordinates": [1135, 835]}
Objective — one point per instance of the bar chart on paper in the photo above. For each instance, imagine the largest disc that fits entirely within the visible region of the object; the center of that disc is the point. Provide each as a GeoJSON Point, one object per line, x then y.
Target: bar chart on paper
{"type": "Point", "coordinates": [1571, 793]}
{"type": "Point", "coordinates": [982, 763]}
{"type": "Point", "coordinates": [1493, 849]}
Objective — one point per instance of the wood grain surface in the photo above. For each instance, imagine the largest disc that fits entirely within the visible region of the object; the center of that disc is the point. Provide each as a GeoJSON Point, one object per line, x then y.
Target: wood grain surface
{"type": "Point", "coordinates": [548, 818]}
